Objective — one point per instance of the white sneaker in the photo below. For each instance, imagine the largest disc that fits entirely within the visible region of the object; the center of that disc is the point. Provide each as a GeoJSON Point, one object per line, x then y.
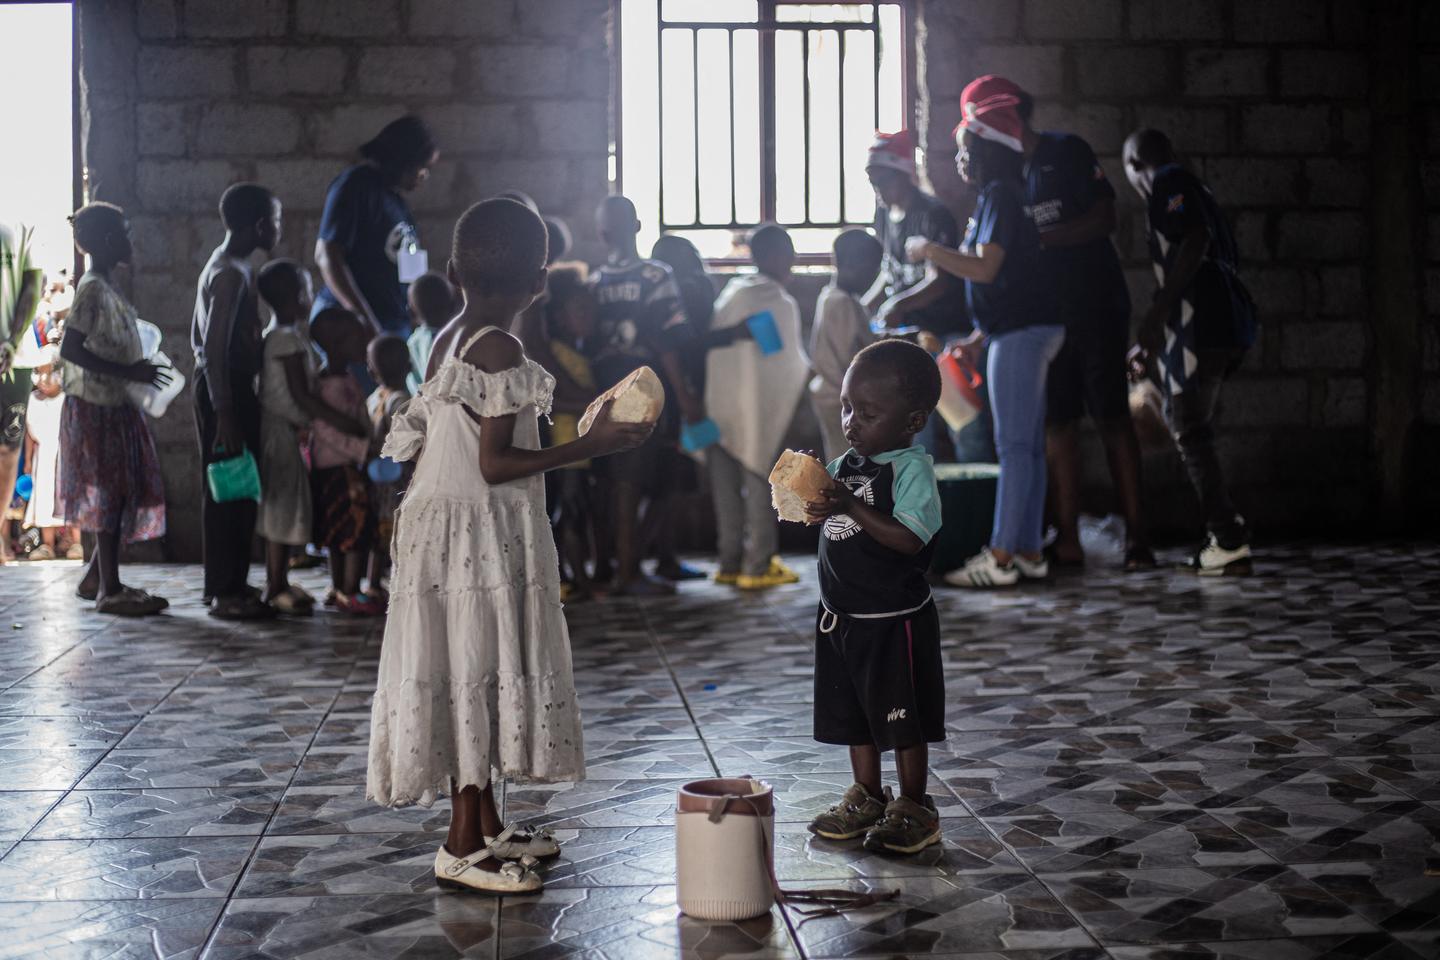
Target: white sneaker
{"type": "Point", "coordinates": [1214, 560]}
{"type": "Point", "coordinates": [517, 843]}
{"type": "Point", "coordinates": [1032, 569]}
{"type": "Point", "coordinates": [461, 873]}
{"type": "Point", "coordinates": [983, 570]}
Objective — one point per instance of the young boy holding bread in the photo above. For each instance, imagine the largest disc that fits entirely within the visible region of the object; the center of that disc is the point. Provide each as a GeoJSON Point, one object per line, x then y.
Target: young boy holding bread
{"type": "Point", "coordinates": [878, 679]}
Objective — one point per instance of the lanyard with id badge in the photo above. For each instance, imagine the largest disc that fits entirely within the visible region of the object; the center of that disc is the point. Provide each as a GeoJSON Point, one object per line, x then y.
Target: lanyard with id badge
{"type": "Point", "coordinates": [411, 261]}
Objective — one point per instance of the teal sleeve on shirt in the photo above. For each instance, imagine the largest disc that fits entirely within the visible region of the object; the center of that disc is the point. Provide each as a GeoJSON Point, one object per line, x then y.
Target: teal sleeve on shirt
{"type": "Point", "coordinates": [917, 497]}
{"type": "Point", "coordinates": [833, 467]}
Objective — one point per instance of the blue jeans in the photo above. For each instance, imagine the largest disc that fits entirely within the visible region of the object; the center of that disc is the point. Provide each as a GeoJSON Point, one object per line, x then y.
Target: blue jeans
{"type": "Point", "coordinates": [1017, 366]}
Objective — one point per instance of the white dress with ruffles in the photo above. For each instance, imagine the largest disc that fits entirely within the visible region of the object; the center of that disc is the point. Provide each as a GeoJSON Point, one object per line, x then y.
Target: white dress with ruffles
{"type": "Point", "coordinates": [475, 678]}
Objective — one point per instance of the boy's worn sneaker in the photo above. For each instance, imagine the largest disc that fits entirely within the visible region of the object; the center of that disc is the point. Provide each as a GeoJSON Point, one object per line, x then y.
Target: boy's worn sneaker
{"type": "Point", "coordinates": [856, 812]}
{"type": "Point", "coordinates": [1214, 560]}
{"type": "Point", "coordinates": [907, 827]}
{"type": "Point", "coordinates": [777, 574]}
{"type": "Point", "coordinates": [1032, 569]}
{"type": "Point", "coordinates": [983, 570]}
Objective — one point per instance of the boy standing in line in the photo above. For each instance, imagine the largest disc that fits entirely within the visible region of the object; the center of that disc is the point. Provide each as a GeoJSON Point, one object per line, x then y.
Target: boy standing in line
{"type": "Point", "coordinates": [879, 681]}
{"type": "Point", "coordinates": [1198, 328]}
{"type": "Point", "coordinates": [639, 321]}
{"type": "Point", "coordinates": [225, 335]}
{"type": "Point", "coordinates": [842, 329]}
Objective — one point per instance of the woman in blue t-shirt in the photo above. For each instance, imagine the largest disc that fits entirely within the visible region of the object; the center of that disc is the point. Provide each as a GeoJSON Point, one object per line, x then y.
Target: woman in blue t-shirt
{"type": "Point", "coordinates": [1014, 307]}
{"type": "Point", "coordinates": [368, 247]}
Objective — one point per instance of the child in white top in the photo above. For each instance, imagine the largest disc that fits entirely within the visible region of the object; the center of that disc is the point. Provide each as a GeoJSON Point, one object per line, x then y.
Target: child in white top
{"type": "Point", "coordinates": [475, 678]}
{"type": "Point", "coordinates": [288, 405]}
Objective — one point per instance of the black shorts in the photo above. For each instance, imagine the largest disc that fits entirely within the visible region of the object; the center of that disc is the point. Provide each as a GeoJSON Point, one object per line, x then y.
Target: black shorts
{"type": "Point", "coordinates": [879, 682]}
{"type": "Point", "coordinates": [1089, 372]}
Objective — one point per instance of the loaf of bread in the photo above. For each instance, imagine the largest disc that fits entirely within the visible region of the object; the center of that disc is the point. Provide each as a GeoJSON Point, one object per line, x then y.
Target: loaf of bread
{"type": "Point", "coordinates": [639, 398]}
{"type": "Point", "coordinates": [797, 479]}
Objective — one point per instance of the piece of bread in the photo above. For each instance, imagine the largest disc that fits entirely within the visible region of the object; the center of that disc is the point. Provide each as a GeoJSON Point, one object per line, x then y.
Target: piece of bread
{"type": "Point", "coordinates": [797, 479]}
{"type": "Point", "coordinates": [639, 398]}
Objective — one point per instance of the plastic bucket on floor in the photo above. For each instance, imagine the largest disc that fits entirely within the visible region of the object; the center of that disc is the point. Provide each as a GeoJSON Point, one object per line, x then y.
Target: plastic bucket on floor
{"type": "Point", "coordinates": [235, 479]}
{"type": "Point", "coordinates": [725, 848]}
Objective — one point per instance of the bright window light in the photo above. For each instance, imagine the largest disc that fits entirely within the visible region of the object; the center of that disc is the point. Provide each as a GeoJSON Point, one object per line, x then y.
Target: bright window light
{"type": "Point", "coordinates": [36, 171]}
{"type": "Point", "coordinates": [692, 151]}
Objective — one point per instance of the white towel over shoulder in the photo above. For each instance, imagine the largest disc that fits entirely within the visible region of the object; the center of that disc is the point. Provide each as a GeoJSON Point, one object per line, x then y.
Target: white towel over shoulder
{"type": "Point", "coordinates": [750, 396]}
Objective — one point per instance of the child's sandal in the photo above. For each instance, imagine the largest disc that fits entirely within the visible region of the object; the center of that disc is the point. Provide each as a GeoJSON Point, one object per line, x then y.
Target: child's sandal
{"type": "Point", "coordinates": [461, 873]}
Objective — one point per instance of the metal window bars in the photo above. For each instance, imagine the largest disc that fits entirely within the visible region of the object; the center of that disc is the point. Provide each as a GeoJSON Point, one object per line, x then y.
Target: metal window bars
{"type": "Point", "coordinates": [855, 31]}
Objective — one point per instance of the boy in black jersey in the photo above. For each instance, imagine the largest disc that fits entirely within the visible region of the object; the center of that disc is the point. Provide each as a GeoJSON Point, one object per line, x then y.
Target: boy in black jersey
{"type": "Point", "coordinates": [878, 679]}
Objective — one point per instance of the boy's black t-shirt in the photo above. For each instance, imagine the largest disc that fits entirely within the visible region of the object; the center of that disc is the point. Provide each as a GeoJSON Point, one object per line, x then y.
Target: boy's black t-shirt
{"type": "Point", "coordinates": [373, 223]}
{"type": "Point", "coordinates": [639, 316]}
{"type": "Point", "coordinates": [1215, 310]}
{"type": "Point", "coordinates": [859, 577]}
{"type": "Point", "coordinates": [1022, 294]}
{"type": "Point", "coordinates": [925, 217]}
{"type": "Point", "coordinates": [1063, 181]}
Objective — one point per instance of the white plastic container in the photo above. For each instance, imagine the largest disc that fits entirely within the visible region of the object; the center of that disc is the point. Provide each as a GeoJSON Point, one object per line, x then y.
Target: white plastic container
{"type": "Point", "coordinates": [725, 848]}
{"type": "Point", "coordinates": [152, 399]}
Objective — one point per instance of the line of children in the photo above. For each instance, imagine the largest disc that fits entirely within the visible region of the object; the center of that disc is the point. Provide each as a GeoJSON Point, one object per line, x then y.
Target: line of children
{"type": "Point", "coordinates": [345, 521]}
{"type": "Point", "coordinates": [289, 404]}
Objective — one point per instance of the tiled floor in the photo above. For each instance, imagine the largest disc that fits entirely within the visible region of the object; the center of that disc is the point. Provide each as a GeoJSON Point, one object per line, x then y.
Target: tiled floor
{"type": "Point", "coordinates": [1138, 767]}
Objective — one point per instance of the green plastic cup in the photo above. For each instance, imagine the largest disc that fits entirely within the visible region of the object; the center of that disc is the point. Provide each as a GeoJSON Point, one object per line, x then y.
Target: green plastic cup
{"type": "Point", "coordinates": [235, 479]}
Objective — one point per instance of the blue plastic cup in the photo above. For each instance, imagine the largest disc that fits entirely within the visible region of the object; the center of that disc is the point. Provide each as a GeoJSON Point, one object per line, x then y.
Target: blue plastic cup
{"type": "Point", "coordinates": [383, 470]}
{"type": "Point", "coordinates": [695, 437]}
{"type": "Point", "coordinates": [766, 334]}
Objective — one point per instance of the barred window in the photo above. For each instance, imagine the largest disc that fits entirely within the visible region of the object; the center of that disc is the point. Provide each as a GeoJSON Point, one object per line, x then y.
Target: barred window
{"type": "Point", "coordinates": [737, 112]}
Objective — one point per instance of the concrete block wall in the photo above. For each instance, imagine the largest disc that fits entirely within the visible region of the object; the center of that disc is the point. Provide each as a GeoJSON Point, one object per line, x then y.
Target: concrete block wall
{"type": "Point", "coordinates": [187, 96]}
{"type": "Point", "coordinates": [1268, 100]}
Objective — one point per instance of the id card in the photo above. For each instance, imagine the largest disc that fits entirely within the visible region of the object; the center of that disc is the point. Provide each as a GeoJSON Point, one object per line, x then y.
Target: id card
{"type": "Point", "coordinates": [412, 262]}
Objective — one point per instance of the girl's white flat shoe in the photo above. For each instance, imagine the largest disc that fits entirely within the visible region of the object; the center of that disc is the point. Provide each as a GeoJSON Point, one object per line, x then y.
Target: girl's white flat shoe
{"type": "Point", "coordinates": [461, 873]}
{"type": "Point", "coordinates": [517, 843]}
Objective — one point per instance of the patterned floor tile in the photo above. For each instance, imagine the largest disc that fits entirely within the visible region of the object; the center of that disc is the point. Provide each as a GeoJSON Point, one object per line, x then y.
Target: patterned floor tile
{"type": "Point", "coordinates": [327, 766]}
{"type": "Point", "coordinates": [631, 923]}
{"type": "Point", "coordinates": [1359, 946]}
{"type": "Point", "coordinates": [1416, 774]}
{"type": "Point", "coordinates": [1401, 896]}
{"type": "Point", "coordinates": [646, 759]}
{"type": "Point", "coordinates": [344, 809]}
{"type": "Point", "coordinates": [21, 810]}
{"type": "Point", "coordinates": [62, 733]}
{"type": "Point", "coordinates": [230, 767]}
{"type": "Point", "coordinates": [161, 929]}
{"type": "Point", "coordinates": [775, 755]}
{"type": "Point", "coordinates": [192, 812]}
{"type": "Point", "coordinates": [751, 721]}
{"type": "Point", "coordinates": [319, 866]}
{"type": "Point", "coordinates": [1202, 903]}
{"type": "Point", "coordinates": [46, 769]}
{"type": "Point", "coordinates": [1129, 840]}
{"type": "Point", "coordinates": [137, 869]}
{"type": "Point", "coordinates": [938, 916]}
{"type": "Point", "coordinates": [1060, 789]}
{"type": "Point", "coordinates": [1284, 782]}
{"type": "Point", "coordinates": [634, 723]}
{"type": "Point", "coordinates": [429, 925]}
{"type": "Point", "coordinates": [1359, 831]}
{"type": "Point", "coordinates": [208, 732]}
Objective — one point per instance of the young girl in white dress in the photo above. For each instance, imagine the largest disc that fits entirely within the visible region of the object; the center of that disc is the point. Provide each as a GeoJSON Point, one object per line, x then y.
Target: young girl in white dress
{"type": "Point", "coordinates": [475, 679]}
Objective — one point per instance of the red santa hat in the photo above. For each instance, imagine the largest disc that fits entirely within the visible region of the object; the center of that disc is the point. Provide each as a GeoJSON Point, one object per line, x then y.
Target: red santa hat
{"type": "Point", "coordinates": [893, 150]}
{"type": "Point", "coordinates": [989, 104]}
